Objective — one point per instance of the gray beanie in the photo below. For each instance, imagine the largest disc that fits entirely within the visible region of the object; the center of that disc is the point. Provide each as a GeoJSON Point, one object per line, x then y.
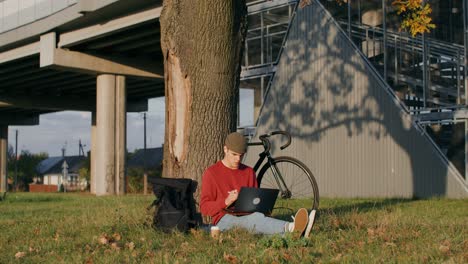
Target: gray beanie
{"type": "Point", "coordinates": [236, 142]}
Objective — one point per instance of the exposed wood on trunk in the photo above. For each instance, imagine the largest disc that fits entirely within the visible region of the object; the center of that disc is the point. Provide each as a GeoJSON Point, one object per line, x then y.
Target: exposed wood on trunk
{"type": "Point", "coordinates": [180, 89]}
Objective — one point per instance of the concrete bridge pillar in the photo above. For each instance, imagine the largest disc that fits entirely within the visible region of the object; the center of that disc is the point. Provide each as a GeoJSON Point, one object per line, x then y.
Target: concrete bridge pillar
{"type": "Point", "coordinates": [93, 153]}
{"type": "Point", "coordinates": [3, 157]}
{"type": "Point", "coordinates": [110, 140]}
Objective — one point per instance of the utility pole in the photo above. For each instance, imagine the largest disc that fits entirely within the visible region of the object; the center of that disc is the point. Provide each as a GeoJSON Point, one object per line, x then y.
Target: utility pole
{"type": "Point", "coordinates": [16, 162]}
{"type": "Point", "coordinates": [145, 174]}
{"type": "Point", "coordinates": [81, 149]}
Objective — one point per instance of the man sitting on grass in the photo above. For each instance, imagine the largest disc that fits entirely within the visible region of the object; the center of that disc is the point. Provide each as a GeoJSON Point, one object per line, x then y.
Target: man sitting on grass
{"type": "Point", "coordinates": [221, 184]}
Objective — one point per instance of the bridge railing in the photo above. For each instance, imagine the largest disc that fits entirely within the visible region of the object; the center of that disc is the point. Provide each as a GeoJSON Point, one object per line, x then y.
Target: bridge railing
{"type": "Point", "coordinates": [16, 13]}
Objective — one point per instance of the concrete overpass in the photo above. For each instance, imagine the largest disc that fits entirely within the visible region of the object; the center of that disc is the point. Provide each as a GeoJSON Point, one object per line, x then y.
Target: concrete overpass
{"type": "Point", "coordinates": [101, 56]}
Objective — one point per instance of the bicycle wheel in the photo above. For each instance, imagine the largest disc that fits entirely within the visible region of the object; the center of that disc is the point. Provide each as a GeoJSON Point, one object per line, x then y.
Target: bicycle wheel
{"type": "Point", "coordinates": [299, 180]}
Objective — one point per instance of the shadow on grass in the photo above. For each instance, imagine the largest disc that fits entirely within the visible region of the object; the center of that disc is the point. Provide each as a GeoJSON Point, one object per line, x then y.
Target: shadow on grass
{"type": "Point", "coordinates": [364, 206]}
{"type": "Point", "coordinates": [345, 207]}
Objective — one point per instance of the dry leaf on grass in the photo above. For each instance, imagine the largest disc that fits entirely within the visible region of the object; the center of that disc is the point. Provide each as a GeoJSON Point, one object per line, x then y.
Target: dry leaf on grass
{"type": "Point", "coordinates": [103, 239]}
{"type": "Point", "coordinates": [230, 258]}
{"type": "Point", "coordinates": [337, 257]}
{"type": "Point", "coordinates": [116, 236]}
{"type": "Point", "coordinates": [444, 249]}
{"type": "Point", "coordinates": [390, 244]}
{"type": "Point", "coordinates": [89, 261]}
{"type": "Point", "coordinates": [130, 245]}
{"type": "Point", "coordinates": [198, 234]}
{"type": "Point", "coordinates": [115, 246]}
{"type": "Point", "coordinates": [31, 249]}
{"type": "Point", "coordinates": [20, 254]}
{"type": "Point", "coordinates": [56, 236]}
{"type": "Point", "coordinates": [445, 246]}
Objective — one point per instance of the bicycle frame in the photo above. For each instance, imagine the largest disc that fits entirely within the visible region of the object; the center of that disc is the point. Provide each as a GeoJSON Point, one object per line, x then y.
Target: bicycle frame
{"type": "Point", "coordinates": [283, 188]}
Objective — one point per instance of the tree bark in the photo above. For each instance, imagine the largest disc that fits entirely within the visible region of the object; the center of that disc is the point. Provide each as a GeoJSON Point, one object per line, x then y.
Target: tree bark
{"type": "Point", "coordinates": [202, 43]}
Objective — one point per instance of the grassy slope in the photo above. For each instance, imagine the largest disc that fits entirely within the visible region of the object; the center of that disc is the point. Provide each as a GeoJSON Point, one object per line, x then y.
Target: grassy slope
{"type": "Point", "coordinates": [72, 228]}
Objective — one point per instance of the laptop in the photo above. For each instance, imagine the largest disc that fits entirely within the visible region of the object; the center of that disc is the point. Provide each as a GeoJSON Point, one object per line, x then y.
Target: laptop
{"type": "Point", "coordinates": [254, 200]}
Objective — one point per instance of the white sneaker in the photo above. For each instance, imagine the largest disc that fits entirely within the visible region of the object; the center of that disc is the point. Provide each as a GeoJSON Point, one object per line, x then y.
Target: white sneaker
{"type": "Point", "coordinates": [300, 221]}
{"type": "Point", "coordinates": [310, 224]}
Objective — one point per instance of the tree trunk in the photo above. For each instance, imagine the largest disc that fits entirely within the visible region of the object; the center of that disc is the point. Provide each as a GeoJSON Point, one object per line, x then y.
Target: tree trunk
{"type": "Point", "coordinates": [202, 44]}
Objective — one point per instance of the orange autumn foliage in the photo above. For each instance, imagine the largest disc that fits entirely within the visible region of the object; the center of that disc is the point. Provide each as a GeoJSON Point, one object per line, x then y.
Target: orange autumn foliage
{"type": "Point", "coordinates": [416, 16]}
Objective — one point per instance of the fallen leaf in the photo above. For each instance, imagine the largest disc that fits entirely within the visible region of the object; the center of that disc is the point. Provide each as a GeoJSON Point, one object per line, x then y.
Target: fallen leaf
{"type": "Point", "coordinates": [115, 246]}
{"type": "Point", "coordinates": [230, 258]}
{"type": "Point", "coordinates": [31, 249]}
{"type": "Point", "coordinates": [184, 245]}
{"type": "Point", "coordinates": [130, 245]}
{"type": "Point", "coordinates": [56, 236]}
{"type": "Point", "coordinates": [337, 257]}
{"type": "Point", "coordinates": [103, 240]}
{"type": "Point", "coordinates": [444, 249]}
{"type": "Point", "coordinates": [88, 248]}
{"type": "Point", "coordinates": [89, 261]}
{"type": "Point", "coordinates": [390, 244]}
{"type": "Point", "coordinates": [335, 222]}
{"type": "Point", "coordinates": [20, 254]}
{"type": "Point", "coordinates": [117, 236]}
{"type": "Point", "coordinates": [361, 244]}
{"type": "Point", "coordinates": [197, 233]}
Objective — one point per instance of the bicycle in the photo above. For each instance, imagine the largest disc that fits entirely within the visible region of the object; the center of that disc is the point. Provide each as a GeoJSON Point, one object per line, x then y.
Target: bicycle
{"type": "Point", "coordinates": [289, 175]}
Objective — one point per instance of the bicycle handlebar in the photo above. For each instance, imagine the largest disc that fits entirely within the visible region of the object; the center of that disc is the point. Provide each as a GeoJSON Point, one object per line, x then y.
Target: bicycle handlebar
{"type": "Point", "coordinates": [266, 142]}
{"type": "Point", "coordinates": [284, 133]}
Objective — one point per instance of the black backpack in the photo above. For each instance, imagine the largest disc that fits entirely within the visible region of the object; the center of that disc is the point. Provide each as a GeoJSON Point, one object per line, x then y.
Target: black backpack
{"type": "Point", "coordinates": [175, 205]}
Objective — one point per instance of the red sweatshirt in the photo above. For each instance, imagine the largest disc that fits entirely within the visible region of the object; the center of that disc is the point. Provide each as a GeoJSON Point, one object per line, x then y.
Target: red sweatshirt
{"type": "Point", "coordinates": [217, 181]}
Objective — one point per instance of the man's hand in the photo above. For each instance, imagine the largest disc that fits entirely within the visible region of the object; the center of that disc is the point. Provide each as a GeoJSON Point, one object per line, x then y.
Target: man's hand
{"type": "Point", "coordinates": [232, 197]}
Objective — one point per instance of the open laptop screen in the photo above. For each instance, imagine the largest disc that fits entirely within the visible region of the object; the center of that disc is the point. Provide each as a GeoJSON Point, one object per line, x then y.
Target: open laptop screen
{"type": "Point", "coordinates": [254, 200]}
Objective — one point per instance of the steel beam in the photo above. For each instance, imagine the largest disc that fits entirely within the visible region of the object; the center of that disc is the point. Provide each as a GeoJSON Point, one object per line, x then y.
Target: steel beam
{"type": "Point", "coordinates": [19, 119]}
{"type": "Point", "coordinates": [100, 30]}
{"type": "Point", "coordinates": [21, 52]}
{"type": "Point", "coordinates": [50, 56]}
{"type": "Point", "coordinates": [267, 5]}
{"type": "Point", "coordinates": [455, 115]}
{"type": "Point", "coordinates": [256, 72]}
{"type": "Point", "coordinates": [63, 103]}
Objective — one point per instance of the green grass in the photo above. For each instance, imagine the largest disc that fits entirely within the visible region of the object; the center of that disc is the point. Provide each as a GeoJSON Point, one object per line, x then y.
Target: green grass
{"type": "Point", "coordinates": [74, 228]}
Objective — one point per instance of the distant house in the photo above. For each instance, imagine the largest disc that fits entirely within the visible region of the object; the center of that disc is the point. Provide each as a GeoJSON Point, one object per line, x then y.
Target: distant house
{"type": "Point", "coordinates": [151, 159]}
{"type": "Point", "coordinates": [51, 173]}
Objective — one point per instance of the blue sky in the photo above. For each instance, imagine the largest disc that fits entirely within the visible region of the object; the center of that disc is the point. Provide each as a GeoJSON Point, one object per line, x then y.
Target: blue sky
{"type": "Point", "coordinates": [67, 128]}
